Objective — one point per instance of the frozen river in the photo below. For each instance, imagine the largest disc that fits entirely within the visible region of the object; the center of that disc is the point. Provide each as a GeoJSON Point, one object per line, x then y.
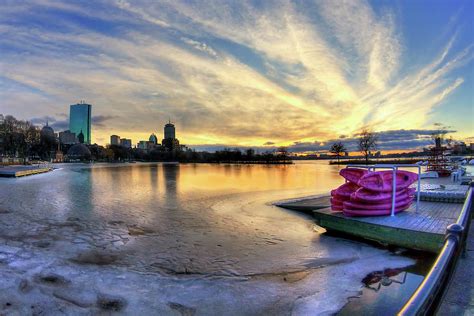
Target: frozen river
{"type": "Point", "coordinates": [185, 239]}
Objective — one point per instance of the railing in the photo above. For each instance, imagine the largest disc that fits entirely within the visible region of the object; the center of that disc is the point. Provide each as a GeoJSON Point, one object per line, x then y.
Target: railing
{"type": "Point", "coordinates": [428, 296]}
{"type": "Point", "coordinates": [394, 179]}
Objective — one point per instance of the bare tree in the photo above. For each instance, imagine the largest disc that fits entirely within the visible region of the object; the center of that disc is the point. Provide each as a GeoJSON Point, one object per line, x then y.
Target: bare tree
{"type": "Point", "coordinates": [337, 149]}
{"type": "Point", "coordinates": [282, 153]}
{"type": "Point", "coordinates": [367, 142]}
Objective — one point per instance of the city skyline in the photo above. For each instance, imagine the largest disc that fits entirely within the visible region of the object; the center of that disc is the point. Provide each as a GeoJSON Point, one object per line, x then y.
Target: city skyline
{"type": "Point", "coordinates": [297, 74]}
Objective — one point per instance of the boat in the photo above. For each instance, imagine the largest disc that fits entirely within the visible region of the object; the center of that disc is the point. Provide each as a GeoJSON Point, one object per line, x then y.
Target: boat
{"type": "Point", "coordinates": [375, 212]}
{"type": "Point", "coordinates": [363, 195]}
{"type": "Point", "coordinates": [385, 205]}
{"type": "Point", "coordinates": [353, 174]}
{"type": "Point", "coordinates": [381, 181]}
{"type": "Point", "coordinates": [344, 191]}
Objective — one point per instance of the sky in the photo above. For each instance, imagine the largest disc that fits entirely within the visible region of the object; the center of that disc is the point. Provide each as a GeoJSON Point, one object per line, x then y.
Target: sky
{"type": "Point", "coordinates": [301, 74]}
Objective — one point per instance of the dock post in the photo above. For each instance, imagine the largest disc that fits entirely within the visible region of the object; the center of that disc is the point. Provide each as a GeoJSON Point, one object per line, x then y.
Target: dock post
{"type": "Point", "coordinates": [394, 189]}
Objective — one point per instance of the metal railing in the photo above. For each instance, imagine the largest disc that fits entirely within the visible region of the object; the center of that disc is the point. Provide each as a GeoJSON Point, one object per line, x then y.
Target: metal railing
{"type": "Point", "coordinates": [394, 179]}
{"type": "Point", "coordinates": [428, 296]}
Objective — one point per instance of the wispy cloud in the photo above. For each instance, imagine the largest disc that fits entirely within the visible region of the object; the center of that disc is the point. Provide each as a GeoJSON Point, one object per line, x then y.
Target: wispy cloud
{"type": "Point", "coordinates": [225, 72]}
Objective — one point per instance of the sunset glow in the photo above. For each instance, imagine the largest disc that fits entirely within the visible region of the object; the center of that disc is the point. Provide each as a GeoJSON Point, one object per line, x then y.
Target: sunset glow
{"type": "Point", "coordinates": [241, 73]}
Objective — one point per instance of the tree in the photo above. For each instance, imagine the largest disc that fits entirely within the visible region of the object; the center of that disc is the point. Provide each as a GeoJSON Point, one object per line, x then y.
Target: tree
{"type": "Point", "coordinates": [337, 149]}
{"type": "Point", "coordinates": [367, 142]}
{"type": "Point", "coordinates": [282, 153]}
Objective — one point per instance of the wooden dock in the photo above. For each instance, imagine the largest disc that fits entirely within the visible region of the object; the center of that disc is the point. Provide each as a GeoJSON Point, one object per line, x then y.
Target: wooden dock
{"type": "Point", "coordinates": [21, 171]}
{"type": "Point", "coordinates": [422, 230]}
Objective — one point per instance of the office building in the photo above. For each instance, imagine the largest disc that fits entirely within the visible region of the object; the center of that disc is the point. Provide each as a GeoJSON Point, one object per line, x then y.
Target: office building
{"type": "Point", "coordinates": [125, 142]}
{"type": "Point", "coordinates": [67, 138]}
{"type": "Point", "coordinates": [170, 132]}
{"type": "Point", "coordinates": [80, 120]}
{"type": "Point", "coordinates": [2, 119]}
{"type": "Point", "coordinates": [170, 142]}
{"type": "Point", "coordinates": [115, 140]}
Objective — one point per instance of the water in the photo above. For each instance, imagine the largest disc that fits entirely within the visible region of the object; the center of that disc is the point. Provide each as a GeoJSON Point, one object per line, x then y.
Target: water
{"type": "Point", "coordinates": [169, 238]}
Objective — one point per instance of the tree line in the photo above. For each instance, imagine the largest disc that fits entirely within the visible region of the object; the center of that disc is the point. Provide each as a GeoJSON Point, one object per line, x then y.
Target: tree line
{"type": "Point", "coordinates": [22, 139]}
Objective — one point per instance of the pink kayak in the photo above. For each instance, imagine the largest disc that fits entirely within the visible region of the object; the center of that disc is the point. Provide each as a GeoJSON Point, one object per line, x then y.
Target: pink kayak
{"type": "Point", "coordinates": [336, 205]}
{"type": "Point", "coordinates": [344, 191]}
{"type": "Point", "coordinates": [352, 174]}
{"type": "Point", "coordinates": [381, 181]}
{"type": "Point", "coordinates": [363, 195]}
{"type": "Point", "coordinates": [379, 206]}
{"type": "Point", "coordinates": [380, 212]}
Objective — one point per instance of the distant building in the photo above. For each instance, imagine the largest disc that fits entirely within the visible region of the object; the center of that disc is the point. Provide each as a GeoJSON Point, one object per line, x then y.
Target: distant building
{"type": "Point", "coordinates": [153, 139]}
{"type": "Point", "coordinates": [143, 144]}
{"type": "Point", "coordinates": [79, 152]}
{"type": "Point", "coordinates": [115, 140]}
{"type": "Point", "coordinates": [47, 132]}
{"type": "Point", "coordinates": [80, 137]}
{"type": "Point", "coordinates": [459, 148]}
{"type": "Point", "coordinates": [125, 142]}
{"type": "Point", "coordinates": [80, 120]}
{"type": "Point", "coordinates": [2, 119]}
{"type": "Point", "coordinates": [67, 138]}
{"type": "Point", "coordinates": [170, 132]}
{"type": "Point", "coordinates": [170, 142]}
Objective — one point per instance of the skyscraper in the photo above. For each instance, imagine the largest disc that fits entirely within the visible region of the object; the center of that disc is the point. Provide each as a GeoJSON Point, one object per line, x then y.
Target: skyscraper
{"type": "Point", "coordinates": [170, 142]}
{"type": "Point", "coordinates": [170, 131]}
{"type": "Point", "coordinates": [80, 120]}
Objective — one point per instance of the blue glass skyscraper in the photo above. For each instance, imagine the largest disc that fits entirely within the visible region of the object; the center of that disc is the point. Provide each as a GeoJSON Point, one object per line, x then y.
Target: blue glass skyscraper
{"type": "Point", "coordinates": [80, 120]}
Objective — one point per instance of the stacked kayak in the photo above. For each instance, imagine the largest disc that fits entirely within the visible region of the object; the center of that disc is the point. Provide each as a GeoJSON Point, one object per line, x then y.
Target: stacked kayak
{"type": "Point", "coordinates": [370, 193]}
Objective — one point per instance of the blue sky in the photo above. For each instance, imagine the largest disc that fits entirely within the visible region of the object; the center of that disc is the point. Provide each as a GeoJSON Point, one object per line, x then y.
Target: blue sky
{"type": "Point", "coordinates": [238, 73]}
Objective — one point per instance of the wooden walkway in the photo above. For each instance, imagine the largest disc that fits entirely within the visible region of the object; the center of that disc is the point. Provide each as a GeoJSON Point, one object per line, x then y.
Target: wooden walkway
{"type": "Point", "coordinates": [423, 230]}
{"type": "Point", "coordinates": [21, 171]}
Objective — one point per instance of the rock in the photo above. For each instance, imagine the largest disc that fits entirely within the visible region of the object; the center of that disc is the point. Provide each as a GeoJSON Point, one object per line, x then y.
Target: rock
{"type": "Point", "coordinates": [110, 302]}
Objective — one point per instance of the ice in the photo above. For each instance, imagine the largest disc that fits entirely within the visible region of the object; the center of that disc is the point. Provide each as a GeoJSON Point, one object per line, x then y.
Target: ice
{"type": "Point", "coordinates": [156, 240]}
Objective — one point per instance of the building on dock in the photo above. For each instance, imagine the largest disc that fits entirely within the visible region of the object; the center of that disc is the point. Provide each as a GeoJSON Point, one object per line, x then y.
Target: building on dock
{"type": "Point", "coordinates": [80, 120]}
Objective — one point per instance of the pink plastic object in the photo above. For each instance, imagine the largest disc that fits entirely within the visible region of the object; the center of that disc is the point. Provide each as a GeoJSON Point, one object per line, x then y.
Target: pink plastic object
{"type": "Point", "coordinates": [353, 174]}
{"type": "Point", "coordinates": [379, 206]}
{"type": "Point", "coordinates": [344, 191]}
{"type": "Point", "coordinates": [381, 181]}
{"type": "Point", "coordinates": [380, 212]}
{"type": "Point", "coordinates": [363, 195]}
